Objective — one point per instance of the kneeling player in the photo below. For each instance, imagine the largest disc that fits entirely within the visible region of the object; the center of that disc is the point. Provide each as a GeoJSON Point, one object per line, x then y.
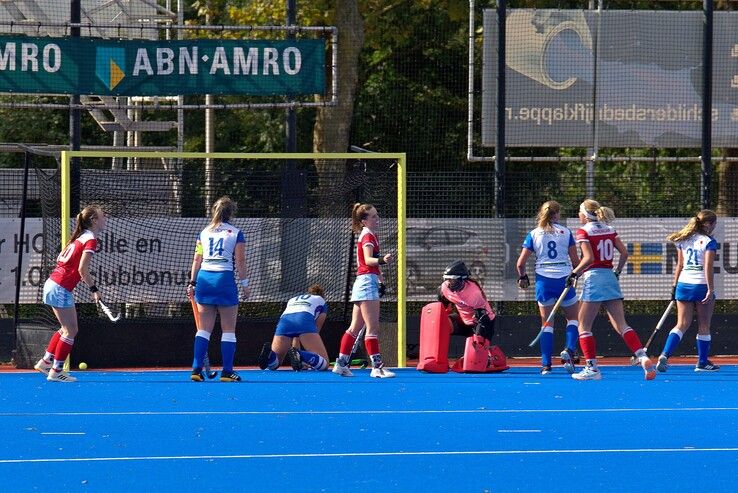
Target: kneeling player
{"type": "Point", "coordinates": [302, 319]}
{"type": "Point", "coordinates": [474, 315]}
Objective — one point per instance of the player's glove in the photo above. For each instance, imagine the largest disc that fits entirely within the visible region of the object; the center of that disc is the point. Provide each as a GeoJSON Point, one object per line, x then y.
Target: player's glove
{"type": "Point", "coordinates": [571, 279]}
{"type": "Point", "coordinates": [523, 281]}
{"type": "Point", "coordinates": [382, 289]}
{"type": "Point", "coordinates": [673, 292]}
{"type": "Point", "coordinates": [617, 274]}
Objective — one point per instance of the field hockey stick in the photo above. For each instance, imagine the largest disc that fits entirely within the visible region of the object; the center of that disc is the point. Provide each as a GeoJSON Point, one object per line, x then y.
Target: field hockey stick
{"type": "Point", "coordinates": [108, 312]}
{"type": "Point", "coordinates": [206, 360]}
{"type": "Point", "coordinates": [662, 320]}
{"type": "Point", "coordinates": [553, 312]}
{"type": "Point", "coordinates": [355, 347]}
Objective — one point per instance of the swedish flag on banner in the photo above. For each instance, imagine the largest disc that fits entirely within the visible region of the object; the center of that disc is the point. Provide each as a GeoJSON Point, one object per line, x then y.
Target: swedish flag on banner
{"type": "Point", "coordinates": [645, 258]}
{"type": "Point", "coordinates": [110, 65]}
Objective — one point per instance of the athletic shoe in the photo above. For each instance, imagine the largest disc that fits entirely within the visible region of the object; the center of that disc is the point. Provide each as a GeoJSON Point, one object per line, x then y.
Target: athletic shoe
{"type": "Point", "coordinates": [663, 364]}
{"type": "Point", "coordinates": [266, 350]}
{"type": "Point", "coordinates": [588, 373]}
{"type": "Point", "coordinates": [42, 366]}
{"type": "Point", "coordinates": [706, 366]}
{"type": "Point", "coordinates": [648, 368]}
{"type": "Point", "coordinates": [545, 369]}
{"type": "Point", "coordinates": [567, 359]}
{"type": "Point", "coordinates": [342, 370]}
{"type": "Point", "coordinates": [60, 376]}
{"type": "Point", "coordinates": [381, 373]}
{"type": "Point", "coordinates": [295, 359]}
{"type": "Point", "coordinates": [229, 376]}
{"type": "Point", "coordinates": [197, 375]}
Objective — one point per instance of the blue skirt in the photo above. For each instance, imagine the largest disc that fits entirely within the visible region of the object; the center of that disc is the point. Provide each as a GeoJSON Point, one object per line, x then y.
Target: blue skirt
{"type": "Point", "coordinates": [600, 285]}
{"type": "Point", "coordinates": [690, 292]}
{"type": "Point", "coordinates": [548, 290]}
{"type": "Point", "coordinates": [366, 288]}
{"type": "Point", "coordinates": [216, 288]}
{"type": "Point", "coordinates": [295, 324]}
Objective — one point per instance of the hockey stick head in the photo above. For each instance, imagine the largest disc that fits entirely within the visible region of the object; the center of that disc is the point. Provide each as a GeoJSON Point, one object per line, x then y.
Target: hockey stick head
{"type": "Point", "coordinates": [108, 312]}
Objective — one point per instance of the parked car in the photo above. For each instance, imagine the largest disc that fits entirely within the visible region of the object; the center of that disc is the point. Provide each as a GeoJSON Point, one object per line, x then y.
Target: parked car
{"type": "Point", "coordinates": [430, 250]}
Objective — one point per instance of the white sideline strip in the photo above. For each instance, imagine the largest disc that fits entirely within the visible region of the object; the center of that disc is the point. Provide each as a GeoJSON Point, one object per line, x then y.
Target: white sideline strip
{"type": "Point", "coordinates": [62, 433]}
{"type": "Point", "coordinates": [368, 454]}
{"type": "Point", "coordinates": [518, 431]}
{"type": "Point", "coordinates": [379, 411]}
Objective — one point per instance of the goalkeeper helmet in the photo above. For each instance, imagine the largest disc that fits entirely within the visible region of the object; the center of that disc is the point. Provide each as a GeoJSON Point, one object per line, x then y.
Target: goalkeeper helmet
{"type": "Point", "coordinates": [456, 273]}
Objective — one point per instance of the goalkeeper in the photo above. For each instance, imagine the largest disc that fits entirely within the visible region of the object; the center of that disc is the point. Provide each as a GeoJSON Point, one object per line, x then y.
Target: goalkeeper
{"type": "Point", "coordinates": [302, 319]}
{"type": "Point", "coordinates": [474, 315]}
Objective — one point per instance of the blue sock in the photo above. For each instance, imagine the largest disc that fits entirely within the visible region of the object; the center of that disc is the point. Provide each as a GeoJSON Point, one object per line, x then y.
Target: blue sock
{"type": "Point", "coordinates": [272, 362]}
{"type": "Point", "coordinates": [572, 334]}
{"type": "Point", "coordinates": [202, 341]}
{"type": "Point", "coordinates": [703, 347]}
{"type": "Point", "coordinates": [228, 350]}
{"type": "Point", "coordinates": [315, 361]}
{"type": "Point", "coordinates": [547, 342]}
{"type": "Point", "coordinates": [675, 337]}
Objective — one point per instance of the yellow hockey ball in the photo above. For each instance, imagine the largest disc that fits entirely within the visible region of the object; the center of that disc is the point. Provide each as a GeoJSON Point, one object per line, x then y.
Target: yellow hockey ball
{"type": "Point", "coordinates": [83, 366]}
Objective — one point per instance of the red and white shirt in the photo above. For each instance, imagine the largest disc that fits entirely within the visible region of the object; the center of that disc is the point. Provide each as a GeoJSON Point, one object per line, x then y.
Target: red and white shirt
{"type": "Point", "coordinates": [366, 237]}
{"type": "Point", "coordinates": [601, 237]}
{"type": "Point", "coordinates": [66, 274]}
{"type": "Point", "coordinates": [467, 299]}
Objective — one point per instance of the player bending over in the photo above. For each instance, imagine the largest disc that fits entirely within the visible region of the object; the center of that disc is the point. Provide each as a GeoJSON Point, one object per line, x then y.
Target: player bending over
{"type": "Point", "coordinates": [302, 319]}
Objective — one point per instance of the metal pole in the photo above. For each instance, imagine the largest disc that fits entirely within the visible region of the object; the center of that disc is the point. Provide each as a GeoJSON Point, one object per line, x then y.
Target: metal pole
{"type": "Point", "coordinates": [500, 143]}
{"type": "Point", "coordinates": [209, 145]}
{"type": "Point", "coordinates": [291, 117]}
{"type": "Point", "coordinates": [75, 116]}
{"type": "Point", "coordinates": [594, 150]}
{"type": "Point", "coordinates": [706, 188]}
{"type": "Point", "coordinates": [21, 239]}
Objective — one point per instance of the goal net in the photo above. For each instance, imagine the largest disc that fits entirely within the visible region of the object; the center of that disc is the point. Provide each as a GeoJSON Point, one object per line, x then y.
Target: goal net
{"type": "Point", "coordinates": [294, 210]}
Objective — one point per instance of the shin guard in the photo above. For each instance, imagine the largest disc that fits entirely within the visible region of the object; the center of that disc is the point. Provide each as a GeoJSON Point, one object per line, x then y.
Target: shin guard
{"type": "Point", "coordinates": [435, 334]}
{"type": "Point", "coordinates": [480, 357]}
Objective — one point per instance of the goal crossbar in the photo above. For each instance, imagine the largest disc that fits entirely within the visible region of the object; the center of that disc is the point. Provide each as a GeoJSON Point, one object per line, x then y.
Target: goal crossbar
{"type": "Point", "coordinates": [399, 158]}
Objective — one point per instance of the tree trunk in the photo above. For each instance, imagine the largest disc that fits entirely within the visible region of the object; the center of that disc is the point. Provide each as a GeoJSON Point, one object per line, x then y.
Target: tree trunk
{"type": "Point", "coordinates": [332, 128]}
{"type": "Point", "coordinates": [727, 200]}
{"type": "Point", "coordinates": [333, 124]}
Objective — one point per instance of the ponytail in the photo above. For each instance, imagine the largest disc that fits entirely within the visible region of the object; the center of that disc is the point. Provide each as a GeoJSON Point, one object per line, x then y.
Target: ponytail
{"type": "Point", "coordinates": [358, 213]}
{"type": "Point", "coordinates": [696, 224]}
{"type": "Point", "coordinates": [222, 211]}
{"type": "Point", "coordinates": [605, 214]}
{"type": "Point", "coordinates": [546, 213]}
{"type": "Point", "coordinates": [596, 212]}
{"type": "Point", "coordinates": [84, 221]}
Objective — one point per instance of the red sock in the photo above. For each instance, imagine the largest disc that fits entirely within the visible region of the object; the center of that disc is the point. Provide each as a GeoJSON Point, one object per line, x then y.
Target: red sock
{"type": "Point", "coordinates": [51, 348]}
{"type": "Point", "coordinates": [588, 345]}
{"type": "Point", "coordinates": [63, 348]}
{"type": "Point", "coordinates": [372, 346]}
{"type": "Point", "coordinates": [347, 343]}
{"type": "Point", "coordinates": [632, 340]}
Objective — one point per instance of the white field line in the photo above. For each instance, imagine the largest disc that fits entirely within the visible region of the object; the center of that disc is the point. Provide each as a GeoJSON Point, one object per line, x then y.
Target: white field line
{"type": "Point", "coordinates": [339, 412]}
{"type": "Point", "coordinates": [367, 454]}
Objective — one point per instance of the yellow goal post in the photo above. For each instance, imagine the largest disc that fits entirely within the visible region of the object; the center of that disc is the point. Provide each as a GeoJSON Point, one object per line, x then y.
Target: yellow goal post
{"type": "Point", "coordinates": [102, 159]}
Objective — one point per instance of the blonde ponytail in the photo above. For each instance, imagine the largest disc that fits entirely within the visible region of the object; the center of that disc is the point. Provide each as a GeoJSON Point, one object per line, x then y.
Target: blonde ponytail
{"type": "Point", "coordinates": [605, 214]}
{"type": "Point", "coordinates": [222, 211]}
{"type": "Point", "coordinates": [696, 224]}
{"type": "Point", "coordinates": [546, 213]}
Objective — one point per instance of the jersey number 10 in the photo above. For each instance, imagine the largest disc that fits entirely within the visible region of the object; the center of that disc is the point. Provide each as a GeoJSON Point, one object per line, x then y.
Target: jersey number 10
{"type": "Point", "coordinates": [606, 249]}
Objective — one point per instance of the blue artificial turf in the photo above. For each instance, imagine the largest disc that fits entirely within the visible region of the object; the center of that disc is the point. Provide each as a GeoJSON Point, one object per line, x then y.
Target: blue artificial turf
{"type": "Point", "coordinates": [312, 432]}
